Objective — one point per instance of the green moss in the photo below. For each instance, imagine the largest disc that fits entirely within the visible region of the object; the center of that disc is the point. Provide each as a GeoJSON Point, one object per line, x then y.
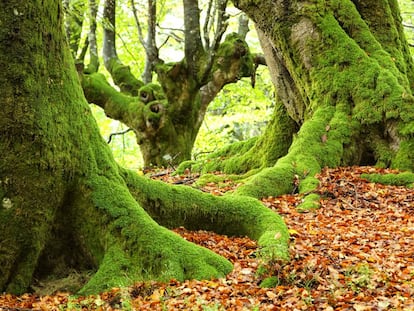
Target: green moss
{"type": "Point", "coordinates": [112, 271]}
{"type": "Point", "coordinates": [357, 61]}
{"type": "Point", "coordinates": [132, 246]}
{"type": "Point", "coordinates": [227, 159]}
{"type": "Point", "coordinates": [310, 202]}
{"type": "Point", "coordinates": [41, 158]}
{"type": "Point", "coordinates": [270, 282]}
{"type": "Point", "coordinates": [274, 181]}
{"type": "Point", "coordinates": [233, 48]}
{"type": "Point", "coordinates": [63, 178]}
{"type": "Point", "coordinates": [174, 206]}
{"type": "Point", "coordinates": [115, 104]}
{"type": "Point", "coordinates": [308, 183]}
{"type": "Point", "coordinates": [404, 159]}
{"type": "Point", "coordinates": [193, 166]}
{"type": "Point", "coordinates": [352, 65]}
{"type": "Point", "coordinates": [401, 179]}
{"type": "Point", "coordinates": [123, 77]}
{"type": "Point", "coordinates": [150, 92]}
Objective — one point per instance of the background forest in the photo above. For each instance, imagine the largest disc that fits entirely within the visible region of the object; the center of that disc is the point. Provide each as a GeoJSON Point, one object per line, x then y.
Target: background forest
{"type": "Point", "coordinates": [238, 112]}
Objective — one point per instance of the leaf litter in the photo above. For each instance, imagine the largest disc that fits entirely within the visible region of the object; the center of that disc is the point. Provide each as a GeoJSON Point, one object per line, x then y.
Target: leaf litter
{"type": "Point", "coordinates": [356, 252]}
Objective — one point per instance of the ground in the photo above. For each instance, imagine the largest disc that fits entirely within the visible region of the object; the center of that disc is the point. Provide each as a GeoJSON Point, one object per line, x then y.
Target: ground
{"type": "Point", "coordinates": [356, 252]}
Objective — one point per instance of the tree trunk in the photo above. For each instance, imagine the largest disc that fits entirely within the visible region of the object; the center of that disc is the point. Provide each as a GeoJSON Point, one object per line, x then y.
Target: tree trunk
{"type": "Point", "coordinates": [65, 204]}
{"type": "Point", "coordinates": [344, 74]}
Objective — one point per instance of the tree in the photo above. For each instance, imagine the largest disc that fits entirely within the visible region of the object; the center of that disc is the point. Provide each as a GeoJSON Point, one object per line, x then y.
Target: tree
{"type": "Point", "coordinates": [343, 75]}
{"type": "Point", "coordinates": [166, 116]}
{"type": "Point", "coordinates": [65, 203]}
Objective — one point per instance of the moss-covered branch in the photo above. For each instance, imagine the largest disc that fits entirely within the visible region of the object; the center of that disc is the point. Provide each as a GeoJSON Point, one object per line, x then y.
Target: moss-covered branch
{"type": "Point", "coordinates": [400, 179]}
{"type": "Point", "coordinates": [123, 77]}
{"type": "Point", "coordinates": [232, 61]}
{"type": "Point", "coordinates": [131, 246]}
{"type": "Point", "coordinates": [121, 74]}
{"type": "Point", "coordinates": [116, 105]}
{"type": "Point", "coordinates": [319, 143]}
{"type": "Point", "coordinates": [174, 206]}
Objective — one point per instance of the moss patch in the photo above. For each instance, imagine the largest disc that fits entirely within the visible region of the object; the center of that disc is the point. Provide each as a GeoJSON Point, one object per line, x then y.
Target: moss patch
{"type": "Point", "coordinates": [401, 179]}
{"type": "Point", "coordinates": [310, 202]}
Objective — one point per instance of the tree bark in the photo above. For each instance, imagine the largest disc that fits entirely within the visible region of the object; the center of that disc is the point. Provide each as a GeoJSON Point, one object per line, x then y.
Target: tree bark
{"type": "Point", "coordinates": [343, 72]}
{"type": "Point", "coordinates": [151, 49]}
{"type": "Point", "coordinates": [194, 51]}
{"type": "Point", "coordinates": [64, 202]}
{"type": "Point", "coordinates": [120, 73]}
{"type": "Point", "coordinates": [93, 65]}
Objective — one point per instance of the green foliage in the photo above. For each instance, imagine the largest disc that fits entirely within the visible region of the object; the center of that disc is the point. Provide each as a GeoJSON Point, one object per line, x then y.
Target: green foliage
{"type": "Point", "coordinates": [360, 276]}
{"type": "Point", "coordinates": [124, 147]}
{"type": "Point", "coordinates": [238, 112]}
{"type": "Point", "coordinates": [272, 281]}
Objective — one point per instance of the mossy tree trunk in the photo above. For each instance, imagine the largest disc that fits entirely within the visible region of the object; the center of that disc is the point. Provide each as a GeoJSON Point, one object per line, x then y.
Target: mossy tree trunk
{"type": "Point", "coordinates": [65, 204]}
{"type": "Point", "coordinates": [344, 76]}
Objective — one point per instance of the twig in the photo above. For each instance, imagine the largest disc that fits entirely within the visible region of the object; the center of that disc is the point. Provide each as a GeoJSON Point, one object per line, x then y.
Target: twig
{"type": "Point", "coordinates": [118, 133]}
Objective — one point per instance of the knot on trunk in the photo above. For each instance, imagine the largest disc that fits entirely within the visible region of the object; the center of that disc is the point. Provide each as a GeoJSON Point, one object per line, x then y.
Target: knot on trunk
{"type": "Point", "coordinates": [150, 92]}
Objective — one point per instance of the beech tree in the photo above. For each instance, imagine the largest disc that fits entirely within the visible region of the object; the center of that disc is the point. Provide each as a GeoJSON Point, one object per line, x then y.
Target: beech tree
{"type": "Point", "coordinates": [343, 75]}
{"type": "Point", "coordinates": [66, 205]}
{"type": "Point", "coordinates": [166, 114]}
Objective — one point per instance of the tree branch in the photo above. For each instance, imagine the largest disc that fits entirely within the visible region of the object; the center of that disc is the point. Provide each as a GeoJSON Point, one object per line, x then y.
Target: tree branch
{"type": "Point", "coordinates": [144, 113]}
{"type": "Point", "coordinates": [93, 46]}
{"type": "Point", "coordinates": [221, 26]}
{"type": "Point", "coordinates": [151, 49]}
{"type": "Point", "coordinates": [138, 24]}
{"type": "Point", "coordinates": [98, 91]}
{"type": "Point", "coordinates": [194, 51]}
{"type": "Point", "coordinates": [84, 50]}
{"type": "Point", "coordinates": [120, 73]}
{"type": "Point", "coordinates": [118, 133]}
{"type": "Point", "coordinates": [243, 25]}
{"type": "Point", "coordinates": [232, 62]}
{"type": "Point", "coordinates": [207, 25]}
{"type": "Point", "coordinates": [109, 49]}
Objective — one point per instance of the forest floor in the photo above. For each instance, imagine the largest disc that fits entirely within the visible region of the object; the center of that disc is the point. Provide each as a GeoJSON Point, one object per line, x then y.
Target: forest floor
{"type": "Point", "coordinates": [356, 252]}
